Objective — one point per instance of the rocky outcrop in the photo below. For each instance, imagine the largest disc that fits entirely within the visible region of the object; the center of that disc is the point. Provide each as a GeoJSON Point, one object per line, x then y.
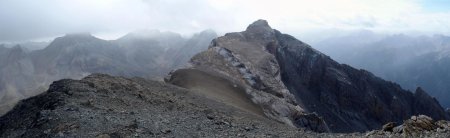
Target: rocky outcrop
{"type": "Point", "coordinates": [296, 84]}
{"type": "Point", "coordinates": [416, 126]}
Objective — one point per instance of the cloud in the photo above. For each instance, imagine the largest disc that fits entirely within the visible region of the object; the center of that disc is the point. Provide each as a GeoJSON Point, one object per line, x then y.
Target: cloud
{"type": "Point", "coordinates": [31, 19]}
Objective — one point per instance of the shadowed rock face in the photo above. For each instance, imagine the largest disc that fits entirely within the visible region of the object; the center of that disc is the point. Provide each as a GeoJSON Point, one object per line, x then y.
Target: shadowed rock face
{"type": "Point", "coordinates": [410, 61]}
{"type": "Point", "coordinates": [296, 84]}
{"type": "Point", "coordinates": [348, 99]}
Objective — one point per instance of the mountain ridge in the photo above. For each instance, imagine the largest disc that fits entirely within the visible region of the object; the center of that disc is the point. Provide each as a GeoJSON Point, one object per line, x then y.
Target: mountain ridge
{"type": "Point", "coordinates": [276, 66]}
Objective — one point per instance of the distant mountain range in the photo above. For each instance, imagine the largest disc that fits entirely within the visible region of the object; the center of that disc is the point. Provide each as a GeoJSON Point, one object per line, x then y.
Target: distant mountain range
{"type": "Point", "coordinates": [411, 61]}
{"type": "Point", "coordinates": [147, 54]}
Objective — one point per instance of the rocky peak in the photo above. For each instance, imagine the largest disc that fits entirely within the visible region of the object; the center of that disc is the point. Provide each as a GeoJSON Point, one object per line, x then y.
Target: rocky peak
{"type": "Point", "coordinates": [243, 59]}
{"type": "Point", "coordinates": [259, 30]}
{"type": "Point", "coordinates": [423, 102]}
{"type": "Point", "coordinates": [259, 25]}
{"type": "Point", "coordinates": [15, 53]}
{"type": "Point", "coordinates": [78, 37]}
{"type": "Point", "coordinates": [17, 49]}
{"type": "Point", "coordinates": [421, 93]}
{"type": "Point", "coordinates": [70, 40]}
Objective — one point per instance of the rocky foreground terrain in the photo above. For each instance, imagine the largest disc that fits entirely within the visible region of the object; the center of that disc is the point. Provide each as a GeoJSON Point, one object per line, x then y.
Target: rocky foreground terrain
{"type": "Point", "coordinates": [105, 106]}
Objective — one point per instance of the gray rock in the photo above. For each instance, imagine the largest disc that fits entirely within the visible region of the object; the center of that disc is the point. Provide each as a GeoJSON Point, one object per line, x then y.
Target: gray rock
{"type": "Point", "coordinates": [397, 129]}
{"type": "Point", "coordinates": [389, 126]}
{"type": "Point", "coordinates": [417, 126]}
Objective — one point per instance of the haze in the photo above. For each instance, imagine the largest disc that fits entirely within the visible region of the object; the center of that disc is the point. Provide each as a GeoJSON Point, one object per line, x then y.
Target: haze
{"type": "Point", "coordinates": [23, 20]}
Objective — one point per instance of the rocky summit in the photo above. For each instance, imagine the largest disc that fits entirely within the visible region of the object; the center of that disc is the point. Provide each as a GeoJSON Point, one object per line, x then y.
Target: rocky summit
{"type": "Point", "coordinates": [255, 83]}
{"type": "Point", "coordinates": [295, 84]}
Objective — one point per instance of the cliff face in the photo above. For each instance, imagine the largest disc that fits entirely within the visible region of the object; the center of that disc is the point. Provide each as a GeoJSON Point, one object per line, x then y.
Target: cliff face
{"type": "Point", "coordinates": [296, 84]}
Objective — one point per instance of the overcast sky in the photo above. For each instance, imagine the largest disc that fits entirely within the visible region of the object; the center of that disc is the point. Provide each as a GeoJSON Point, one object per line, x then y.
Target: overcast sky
{"type": "Point", "coordinates": [36, 19]}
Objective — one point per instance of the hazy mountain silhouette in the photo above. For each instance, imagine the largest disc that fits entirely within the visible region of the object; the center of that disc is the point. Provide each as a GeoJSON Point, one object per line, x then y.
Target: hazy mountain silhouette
{"type": "Point", "coordinates": [147, 54]}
